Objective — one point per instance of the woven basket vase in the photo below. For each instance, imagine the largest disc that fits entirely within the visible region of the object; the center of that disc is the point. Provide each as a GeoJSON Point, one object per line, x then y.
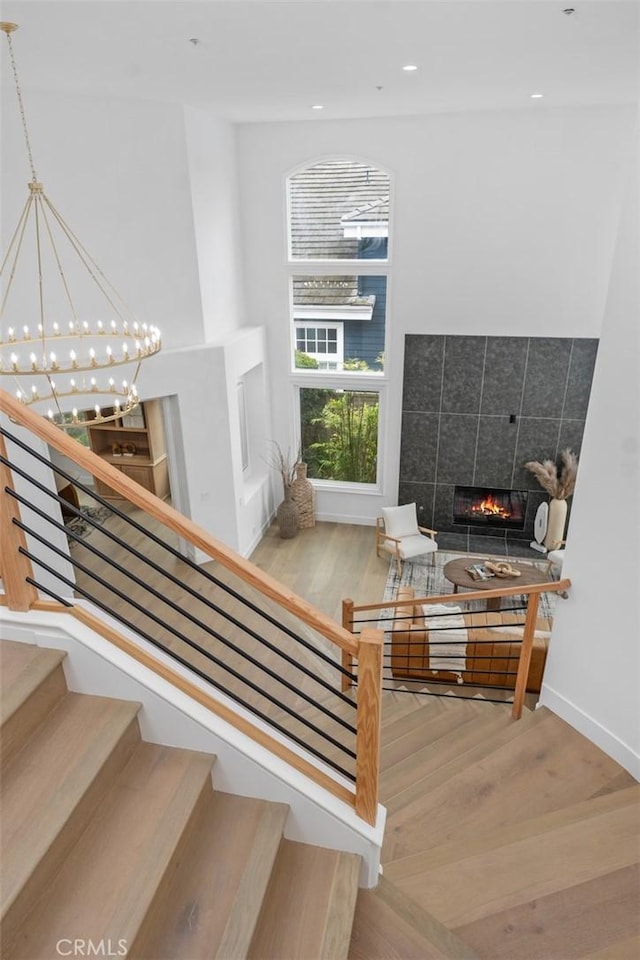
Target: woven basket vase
{"type": "Point", "coordinates": [287, 516]}
{"type": "Point", "coordinates": [304, 495]}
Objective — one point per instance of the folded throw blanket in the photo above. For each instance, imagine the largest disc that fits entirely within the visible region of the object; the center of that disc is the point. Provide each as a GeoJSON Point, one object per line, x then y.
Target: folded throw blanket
{"type": "Point", "coordinates": [447, 637]}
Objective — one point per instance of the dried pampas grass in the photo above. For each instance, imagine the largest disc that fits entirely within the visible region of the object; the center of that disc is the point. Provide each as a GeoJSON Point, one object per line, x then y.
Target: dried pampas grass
{"type": "Point", "coordinates": [558, 480]}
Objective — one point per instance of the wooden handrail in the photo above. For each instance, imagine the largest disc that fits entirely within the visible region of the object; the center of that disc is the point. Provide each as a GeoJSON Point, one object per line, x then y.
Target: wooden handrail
{"type": "Point", "coordinates": [182, 526]}
{"type": "Point", "coordinates": [554, 586]}
{"type": "Point", "coordinates": [368, 723]}
{"type": "Point", "coordinates": [524, 661]}
{"type": "Point", "coordinates": [367, 649]}
{"type": "Point", "coordinates": [16, 567]}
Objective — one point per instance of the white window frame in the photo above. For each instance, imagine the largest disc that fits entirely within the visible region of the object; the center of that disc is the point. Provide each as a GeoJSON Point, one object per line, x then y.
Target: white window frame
{"type": "Point", "coordinates": [335, 359]}
{"type": "Point", "coordinates": [345, 380]}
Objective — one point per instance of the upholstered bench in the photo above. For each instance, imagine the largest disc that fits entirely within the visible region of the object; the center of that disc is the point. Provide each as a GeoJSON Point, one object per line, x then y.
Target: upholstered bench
{"type": "Point", "coordinates": [494, 636]}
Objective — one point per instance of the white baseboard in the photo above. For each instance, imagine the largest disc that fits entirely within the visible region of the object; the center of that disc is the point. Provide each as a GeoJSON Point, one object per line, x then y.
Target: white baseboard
{"type": "Point", "coordinates": [612, 745]}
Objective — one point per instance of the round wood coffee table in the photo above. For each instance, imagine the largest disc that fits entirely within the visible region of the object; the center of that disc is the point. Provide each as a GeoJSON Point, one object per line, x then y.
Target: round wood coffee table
{"type": "Point", "coordinates": [456, 573]}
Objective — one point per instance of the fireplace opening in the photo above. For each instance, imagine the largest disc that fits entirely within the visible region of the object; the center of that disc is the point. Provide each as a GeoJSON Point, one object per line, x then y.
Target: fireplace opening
{"type": "Point", "coordinates": [488, 506]}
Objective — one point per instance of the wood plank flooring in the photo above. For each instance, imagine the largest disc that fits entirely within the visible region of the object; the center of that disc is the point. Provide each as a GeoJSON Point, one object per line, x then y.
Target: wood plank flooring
{"type": "Point", "coordinates": [472, 795]}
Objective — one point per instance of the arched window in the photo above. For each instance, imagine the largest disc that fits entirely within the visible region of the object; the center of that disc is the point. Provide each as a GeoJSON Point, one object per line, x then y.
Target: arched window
{"type": "Point", "coordinates": [338, 260]}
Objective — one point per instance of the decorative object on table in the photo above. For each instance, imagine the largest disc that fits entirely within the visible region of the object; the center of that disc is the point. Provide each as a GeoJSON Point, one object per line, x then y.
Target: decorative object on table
{"type": "Point", "coordinates": [501, 568]}
{"type": "Point", "coordinates": [398, 533]}
{"type": "Point", "coordinates": [304, 496]}
{"type": "Point", "coordinates": [559, 481]}
{"type": "Point", "coordinates": [66, 364]}
{"type": "Point", "coordinates": [540, 524]}
{"type": "Point", "coordinates": [287, 513]}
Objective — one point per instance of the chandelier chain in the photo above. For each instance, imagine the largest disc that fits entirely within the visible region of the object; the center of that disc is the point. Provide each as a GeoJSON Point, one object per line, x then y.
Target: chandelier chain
{"type": "Point", "coordinates": [21, 106]}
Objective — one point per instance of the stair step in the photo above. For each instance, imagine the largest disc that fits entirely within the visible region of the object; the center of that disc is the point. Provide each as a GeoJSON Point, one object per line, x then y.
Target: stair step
{"type": "Point", "coordinates": [32, 682]}
{"type": "Point", "coordinates": [532, 767]}
{"type": "Point", "coordinates": [570, 922]}
{"type": "Point", "coordinates": [543, 861]}
{"type": "Point", "coordinates": [620, 950]}
{"type": "Point", "coordinates": [428, 747]}
{"type": "Point", "coordinates": [309, 905]}
{"type": "Point", "coordinates": [210, 905]}
{"type": "Point", "coordinates": [109, 880]}
{"type": "Point", "coordinates": [397, 705]}
{"type": "Point", "coordinates": [51, 788]}
{"type": "Point", "coordinates": [389, 924]}
{"type": "Point", "coordinates": [422, 714]}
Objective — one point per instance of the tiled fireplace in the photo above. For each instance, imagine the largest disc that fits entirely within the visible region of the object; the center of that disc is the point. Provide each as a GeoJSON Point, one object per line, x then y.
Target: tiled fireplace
{"type": "Point", "coordinates": [475, 410]}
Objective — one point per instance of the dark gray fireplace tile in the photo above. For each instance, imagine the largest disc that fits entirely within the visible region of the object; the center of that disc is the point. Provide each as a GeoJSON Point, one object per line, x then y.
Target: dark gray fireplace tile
{"type": "Point", "coordinates": [458, 542]}
{"type": "Point", "coordinates": [456, 449]}
{"type": "Point", "coordinates": [537, 440]}
{"type": "Point", "coordinates": [571, 432]}
{"type": "Point", "coordinates": [419, 447]}
{"type": "Point", "coordinates": [443, 515]}
{"type": "Point", "coordinates": [423, 359]}
{"type": "Point", "coordinates": [492, 546]}
{"type": "Point", "coordinates": [546, 377]}
{"type": "Point", "coordinates": [422, 494]}
{"type": "Point", "coordinates": [495, 452]}
{"type": "Point", "coordinates": [583, 361]}
{"type": "Point", "coordinates": [463, 369]}
{"type": "Point", "coordinates": [504, 374]}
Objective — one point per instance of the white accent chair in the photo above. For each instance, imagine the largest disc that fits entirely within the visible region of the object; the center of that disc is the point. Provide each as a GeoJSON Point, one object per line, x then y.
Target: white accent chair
{"type": "Point", "coordinates": [556, 558]}
{"type": "Point", "coordinates": [398, 533]}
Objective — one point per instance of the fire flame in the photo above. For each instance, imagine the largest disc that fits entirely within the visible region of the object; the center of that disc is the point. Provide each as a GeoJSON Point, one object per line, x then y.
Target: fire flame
{"type": "Point", "coordinates": [488, 507]}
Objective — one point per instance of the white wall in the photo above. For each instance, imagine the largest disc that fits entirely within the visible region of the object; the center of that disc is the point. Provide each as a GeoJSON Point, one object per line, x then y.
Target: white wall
{"type": "Point", "coordinates": [503, 224]}
{"type": "Point", "coordinates": [117, 170]}
{"type": "Point", "coordinates": [150, 190]}
{"type": "Point", "coordinates": [212, 166]}
{"type": "Point", "coordinates": [592, 676]}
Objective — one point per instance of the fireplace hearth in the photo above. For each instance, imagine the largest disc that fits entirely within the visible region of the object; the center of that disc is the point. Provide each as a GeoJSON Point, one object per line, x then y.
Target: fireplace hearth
{"type": "Point", "coordinates": [490, 507]}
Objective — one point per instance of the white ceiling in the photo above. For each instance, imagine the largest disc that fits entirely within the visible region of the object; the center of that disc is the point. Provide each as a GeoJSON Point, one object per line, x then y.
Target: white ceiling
{"type": "Point", "coordinates": [268, 60]}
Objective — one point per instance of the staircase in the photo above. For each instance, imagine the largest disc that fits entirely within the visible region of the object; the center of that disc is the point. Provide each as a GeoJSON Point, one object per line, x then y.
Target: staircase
{"type": "Point", "coordinates": [114, 846]}
{"type": "Point", "coordinates": [504, 839]}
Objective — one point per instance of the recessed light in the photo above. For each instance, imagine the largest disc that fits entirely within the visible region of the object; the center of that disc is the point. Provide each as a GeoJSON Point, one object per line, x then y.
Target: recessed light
{"type": "Point", "coordinates": [317, 106]}
{"type": "Point", "coordinates": [410, 67]}
{"type": "Point", "coordinates": [537, 96]}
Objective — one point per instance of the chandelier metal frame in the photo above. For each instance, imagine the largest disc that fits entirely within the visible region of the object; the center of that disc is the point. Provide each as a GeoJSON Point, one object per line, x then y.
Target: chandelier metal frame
{"type": "Point", "coordinates": [72, 363]}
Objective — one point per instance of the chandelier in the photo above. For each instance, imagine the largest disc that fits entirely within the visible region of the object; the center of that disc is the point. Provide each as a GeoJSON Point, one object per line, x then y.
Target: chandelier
{"type": "Point", "coordinates": [76, 366]}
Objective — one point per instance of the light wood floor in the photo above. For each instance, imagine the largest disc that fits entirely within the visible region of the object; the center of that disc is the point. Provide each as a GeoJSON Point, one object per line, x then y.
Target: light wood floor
{"type": "Point", "coordinates": [514, 840]}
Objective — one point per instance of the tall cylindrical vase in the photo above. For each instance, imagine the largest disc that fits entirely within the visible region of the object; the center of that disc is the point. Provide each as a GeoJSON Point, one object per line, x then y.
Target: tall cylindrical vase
{"type": "Point", "coordinates": [304, 496]}
{"type": "Point", "coordinates": [287, 516]}
{"type": "Point", "coordinates": [556, 524]}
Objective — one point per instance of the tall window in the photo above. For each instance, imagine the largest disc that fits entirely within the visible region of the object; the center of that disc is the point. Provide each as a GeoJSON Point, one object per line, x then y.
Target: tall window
{"type": "Point", "coordinates": [338, 263]}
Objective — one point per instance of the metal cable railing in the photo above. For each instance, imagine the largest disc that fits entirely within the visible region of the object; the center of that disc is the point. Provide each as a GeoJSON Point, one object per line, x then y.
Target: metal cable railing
{"type": "Point", "coordinates": [413, 668]}
{"type": "Point", "coordinates": [208, 625]}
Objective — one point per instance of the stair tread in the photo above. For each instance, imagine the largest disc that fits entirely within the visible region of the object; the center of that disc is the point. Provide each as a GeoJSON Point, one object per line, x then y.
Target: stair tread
{"type": "Point", "coordinates": [213, 900]}
{"type": "Point", "coordinates": [49, 777]}
{"type": "Point", "coordinates": [555, 857]}
{"type": "Point", "coordinates": [109, 879]}
{"type": "Point", "coordinates": [530, 768]}
{"type": "Point", "coordinates": [429, 748]}
{"type": "Point", "coordinates": [505, 834]}
{"type": "Point", "coordinates": [309, 905]}
{"type": "Point", "coordinates": [23, 667]}
{"type": "Point", "coordinates": [571, 923]}
{"type": "Point", "coordinates": [389, 924]}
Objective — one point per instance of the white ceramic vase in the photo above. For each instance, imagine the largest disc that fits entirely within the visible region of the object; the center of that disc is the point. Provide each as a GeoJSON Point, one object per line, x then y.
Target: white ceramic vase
{"type": "Point", "coordinates": [556, 524]}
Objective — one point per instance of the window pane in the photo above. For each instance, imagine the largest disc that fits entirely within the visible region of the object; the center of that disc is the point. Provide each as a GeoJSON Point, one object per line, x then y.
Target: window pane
{"type": "Point", "coordinates": [339, 209]}
{"type": "Point", "coordinates": [344, 316]}
{"type": "Point", "coordinates": [339, 434]}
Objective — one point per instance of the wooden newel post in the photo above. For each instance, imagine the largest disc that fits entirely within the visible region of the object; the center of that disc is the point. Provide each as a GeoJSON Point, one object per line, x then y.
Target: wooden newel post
{"type": "Point", "coordinates": [368, 723]}
{"type": "Point", "coordinates": [525, 655]}
{"type": "Point", "coordinates": [347, 659]}
{"type": "Point", "coordinates": [15, 567]}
